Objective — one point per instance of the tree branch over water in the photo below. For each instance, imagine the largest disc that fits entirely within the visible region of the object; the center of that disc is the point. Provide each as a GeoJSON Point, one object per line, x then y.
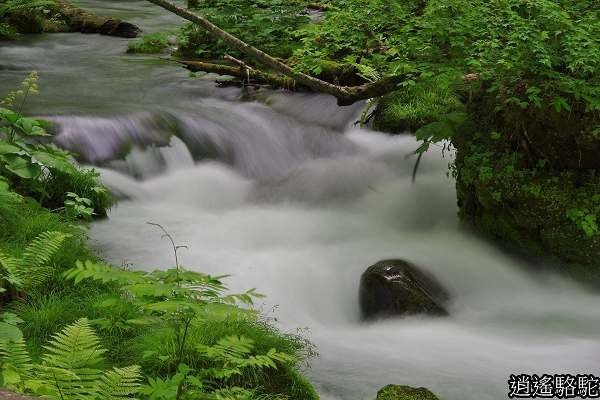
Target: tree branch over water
{"type": "Point", "coordinates": [346, 95]}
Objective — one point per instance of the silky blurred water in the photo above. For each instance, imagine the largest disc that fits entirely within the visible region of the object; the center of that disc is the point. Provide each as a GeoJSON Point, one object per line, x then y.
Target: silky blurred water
{"type": "Point", "coordinates": [287, 196]}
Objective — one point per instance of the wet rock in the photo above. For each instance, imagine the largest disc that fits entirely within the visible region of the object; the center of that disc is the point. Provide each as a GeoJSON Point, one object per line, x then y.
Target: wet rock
{"type": "Point", "coordinates": [397, 287]}
{"type": "Point", "coordinates": [399, 392]}
{"type": "Point", "coordinates": [115, 27]}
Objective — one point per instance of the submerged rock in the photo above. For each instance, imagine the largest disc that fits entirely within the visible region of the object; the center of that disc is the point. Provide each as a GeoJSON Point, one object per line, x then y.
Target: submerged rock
{"type": "Point", "coordinates": [400, 392]}
{"type": "Point", "coordinates": [397, 287]}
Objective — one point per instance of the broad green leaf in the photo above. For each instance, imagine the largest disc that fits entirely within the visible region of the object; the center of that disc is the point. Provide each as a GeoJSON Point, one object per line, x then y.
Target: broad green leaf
{"type": "Point", "coordinates": [54, 162]}
{"type": "Point", "coordinates": [6, 148]}
{"type": "Point", "coordinates": [8, 115]}
{"type": "Point", "coordinates": [21, 167]}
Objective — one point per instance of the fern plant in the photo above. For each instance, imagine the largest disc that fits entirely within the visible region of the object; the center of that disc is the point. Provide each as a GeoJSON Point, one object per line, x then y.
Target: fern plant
{"type": "Point", "coordinates": [180, 297]}
{"type": "Point", "coordinates": [34, 266]}
{"type": "Point", "coordinates": [230, 357]}
{"type": "Point", "coordinates": [71, 369]}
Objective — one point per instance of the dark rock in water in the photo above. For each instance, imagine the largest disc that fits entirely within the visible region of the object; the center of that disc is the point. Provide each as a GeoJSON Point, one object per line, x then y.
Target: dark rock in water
{"type": "Point", "coordinates": [399, 392]}
{"type": "Point", "coordinates": [397, 287]}
{"type": "Point", "coordinates": [115, 27]}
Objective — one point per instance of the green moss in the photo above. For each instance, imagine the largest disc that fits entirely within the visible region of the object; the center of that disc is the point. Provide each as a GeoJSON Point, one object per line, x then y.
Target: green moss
{"type": "Point", "coordinates": [399, 392]}
{"type": "Point", "coordinates": [526, 203]}
{"type": "Point", "coordinates": [417, 105]}
{"type": "Point", "coordinates": [149, 44]}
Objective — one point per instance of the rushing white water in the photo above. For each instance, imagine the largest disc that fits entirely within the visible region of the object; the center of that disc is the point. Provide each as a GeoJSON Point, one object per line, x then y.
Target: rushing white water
{"type": "Point", "coordinates": [305, 237]}
{"type": "Point", "coordinates": [291, 199]}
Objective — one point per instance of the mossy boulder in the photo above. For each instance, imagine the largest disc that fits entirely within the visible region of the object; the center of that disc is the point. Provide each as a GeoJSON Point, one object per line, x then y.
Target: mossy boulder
{"type": "Point", "coordinates": [398, 287]}
{"type": "Point", "coordinates": [400, 392]}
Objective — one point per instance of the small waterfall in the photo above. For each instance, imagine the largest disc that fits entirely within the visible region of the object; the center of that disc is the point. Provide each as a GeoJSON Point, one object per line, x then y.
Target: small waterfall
{"type": "Point", "coordinates": [250, 137]}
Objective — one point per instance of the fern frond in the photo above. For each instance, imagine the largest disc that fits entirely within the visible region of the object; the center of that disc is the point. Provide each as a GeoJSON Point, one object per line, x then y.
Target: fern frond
{"type": "Point", "coordinates": [120, 383]}
{"type": "Point", "coordinates": [15, 354]}
{"type": "Point", "coordinates": [35, 263]}
{"type": "Point", "coordinates": [102, 272]}
{"type": "Point", "coordinates": [75, 351]}
{"type": "Point", "coordinates": [11, 270]}
{"type": "Point", "coordinates": [41, 249]}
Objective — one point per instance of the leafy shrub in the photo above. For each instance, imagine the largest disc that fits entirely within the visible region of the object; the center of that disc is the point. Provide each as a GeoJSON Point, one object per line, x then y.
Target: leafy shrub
{"type": "Point", "coordinates": [40, 169]}
{"type": "Point", "coordinates": [268, 24]}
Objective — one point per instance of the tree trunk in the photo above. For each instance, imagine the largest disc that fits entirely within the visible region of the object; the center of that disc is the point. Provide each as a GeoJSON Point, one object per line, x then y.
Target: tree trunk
{"type": "Point", "coordinates": [346, 95]}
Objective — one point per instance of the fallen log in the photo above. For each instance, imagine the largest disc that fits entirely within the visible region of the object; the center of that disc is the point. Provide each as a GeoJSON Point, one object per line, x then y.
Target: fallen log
{"type": "Point", "coordinates": [345, 95]}
{"type": "Point", "coordinates": [75, 19]}
{"type": "Point", "coordinates": [246, 75]}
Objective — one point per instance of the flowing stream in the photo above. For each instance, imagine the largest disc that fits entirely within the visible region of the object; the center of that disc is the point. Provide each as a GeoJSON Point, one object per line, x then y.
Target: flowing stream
{"type": "Point", "coordinates": [285, 194]}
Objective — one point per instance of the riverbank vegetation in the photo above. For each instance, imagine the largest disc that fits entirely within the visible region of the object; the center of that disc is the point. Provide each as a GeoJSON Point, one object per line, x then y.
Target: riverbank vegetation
{"type": "Point", "coordinates": [73, 327]}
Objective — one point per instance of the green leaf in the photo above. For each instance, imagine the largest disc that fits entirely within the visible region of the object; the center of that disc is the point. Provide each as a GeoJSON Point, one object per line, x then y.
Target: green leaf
{"type": "Point", "coordinates": [54, 162]}
{"type": "Point", "coordinates": [21, 167]}
{"type": "Point", "coordinates": [31, 127]}
{"type": "Point", "coordinates": [8, 115]}
{"type": "Point", "coordinates": [6, 148]}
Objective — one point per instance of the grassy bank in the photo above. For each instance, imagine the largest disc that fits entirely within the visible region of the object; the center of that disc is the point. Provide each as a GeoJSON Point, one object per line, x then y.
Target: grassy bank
{"type": "Point", "coordinates": [73, 327]}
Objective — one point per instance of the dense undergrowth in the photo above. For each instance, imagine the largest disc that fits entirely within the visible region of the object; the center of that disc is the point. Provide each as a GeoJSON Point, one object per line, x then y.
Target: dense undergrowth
{"type": "Point", "coordinates": [72, 327]}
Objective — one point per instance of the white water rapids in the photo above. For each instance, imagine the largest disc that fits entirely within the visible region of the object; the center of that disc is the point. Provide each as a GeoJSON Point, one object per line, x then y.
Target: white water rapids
{"type": "Point", "coordinates": [305, 239]}
{"type": "Point", "coordinates": [286, 196]}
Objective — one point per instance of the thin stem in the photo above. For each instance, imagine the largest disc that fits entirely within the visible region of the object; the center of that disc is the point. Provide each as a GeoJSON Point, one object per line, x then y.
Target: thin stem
{"type": "Point", "coordinates": [167, 235]}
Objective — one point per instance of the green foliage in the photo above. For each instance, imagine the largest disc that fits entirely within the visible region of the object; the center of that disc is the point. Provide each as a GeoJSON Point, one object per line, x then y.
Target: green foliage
{"type": "Point", "coordinates": [585, 220]}
{"type": "Point", "coordinates": [231, 356]}
{"type": "Point", "coordinates": [192, 305]}
{"type": "Point", "coordinates": [151, 43]}
{"type": "Point", "coordinates": [22, 16]}
{"type": "Point", "coordinates": [71, 369]}
{"type": "Point", "coordinates": [34, 267]}
{"type": "Point", "coordinates": [36, 168]}
{"type": "Point", "coordinates": [11, 6]}
{"type": "Point", "coordinates": [433, 101]}
{"type": "Point", "coordinates": [268, 24]}
{"type": "Point", "coordinates": [552, 212]}
{"type": "Point", "coordinates": [529, 55]}
{"type": "Point", "coordinates": [7, 31]}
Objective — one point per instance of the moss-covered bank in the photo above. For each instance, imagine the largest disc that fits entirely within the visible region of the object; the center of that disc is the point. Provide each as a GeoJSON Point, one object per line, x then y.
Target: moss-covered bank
{"type": "Point", "coordinates": [529, 178]}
